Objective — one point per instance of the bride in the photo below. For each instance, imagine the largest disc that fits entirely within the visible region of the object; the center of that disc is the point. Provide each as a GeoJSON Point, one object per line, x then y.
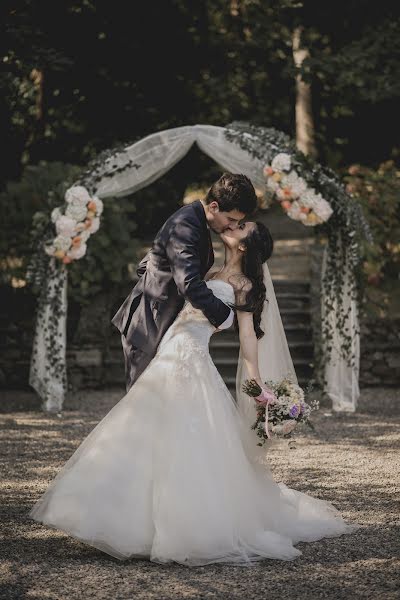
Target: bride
{"type": "Point", "coordinates": [173, 472]}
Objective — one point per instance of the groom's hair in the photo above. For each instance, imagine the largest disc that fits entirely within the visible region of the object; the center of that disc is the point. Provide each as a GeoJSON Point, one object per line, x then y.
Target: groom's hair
{"type": "Point", "coordinates": [233, 191]}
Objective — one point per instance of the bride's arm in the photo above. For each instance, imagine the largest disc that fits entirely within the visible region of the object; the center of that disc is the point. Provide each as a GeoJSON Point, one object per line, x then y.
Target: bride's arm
{"type": "Point", "coordinates": [248, 344]}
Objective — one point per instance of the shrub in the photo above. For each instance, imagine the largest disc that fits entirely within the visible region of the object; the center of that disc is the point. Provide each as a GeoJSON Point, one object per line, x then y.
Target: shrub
{"type": "Point", "coordinates": [379, 192]}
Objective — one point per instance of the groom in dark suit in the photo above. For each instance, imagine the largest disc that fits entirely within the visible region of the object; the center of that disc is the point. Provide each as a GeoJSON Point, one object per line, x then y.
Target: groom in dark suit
{"type": "Point", "coordinates": [173, 271]}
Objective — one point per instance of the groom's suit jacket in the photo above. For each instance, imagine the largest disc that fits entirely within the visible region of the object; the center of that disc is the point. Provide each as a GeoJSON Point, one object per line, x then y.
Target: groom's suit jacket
{"type": "Point", "coordinates": [172, 271]}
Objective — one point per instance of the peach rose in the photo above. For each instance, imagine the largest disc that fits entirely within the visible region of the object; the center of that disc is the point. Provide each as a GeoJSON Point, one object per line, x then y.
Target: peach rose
{"type": "Point", "coordinates": [59, 253]}
{"type": "Point", "coordinates": [66, 260]}
{"type": "Point", "coordinates": [277, 177]}
{"type": "Point", "coordinates": [88, 223]}
{"type": "Point", "coordinates": [268, 171]}
{"type": "Point", "coordinates": [305, 209]}
{"type": "Point", "coordinates": [90, 214]}
{"type": "Point", "coordinates": [312, 218]}
{"type": "Point", "coordinates": [92, 206]}
{"type": "Point", "coordinates": [76, 241]}
{"type": "Point", "coordinates": [286, 204]}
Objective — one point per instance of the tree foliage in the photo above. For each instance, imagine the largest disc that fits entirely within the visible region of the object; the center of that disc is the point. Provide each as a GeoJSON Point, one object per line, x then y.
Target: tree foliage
{"type": "Point", "coordinates": [80, 76]}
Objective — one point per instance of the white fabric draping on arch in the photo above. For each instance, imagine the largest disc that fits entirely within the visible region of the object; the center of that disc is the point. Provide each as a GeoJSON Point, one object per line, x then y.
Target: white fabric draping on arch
{"type": "Point", "coordinates": [151, 158]}
{"type": "Point", "coordinates": [341, 380]}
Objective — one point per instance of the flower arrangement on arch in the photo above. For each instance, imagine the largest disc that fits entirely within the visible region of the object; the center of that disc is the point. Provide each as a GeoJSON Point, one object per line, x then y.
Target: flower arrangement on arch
{"type": "Point", "coordinates": [75, 222]}
{"type": "Point", "coordinates": [299, 201]}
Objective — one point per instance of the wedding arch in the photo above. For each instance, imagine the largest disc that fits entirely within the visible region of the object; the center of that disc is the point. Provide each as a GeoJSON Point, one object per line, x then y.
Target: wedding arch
{"type": "Point", "coordinates": [307, 191]}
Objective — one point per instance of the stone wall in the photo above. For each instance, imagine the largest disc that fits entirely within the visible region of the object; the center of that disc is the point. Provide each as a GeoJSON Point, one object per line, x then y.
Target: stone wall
{"type": "Point", "coordinates": [380, 352]}
{"type": "Point", "coordinates": [379, 340]}
{"type": "Point", "coordinates": [95, 358]}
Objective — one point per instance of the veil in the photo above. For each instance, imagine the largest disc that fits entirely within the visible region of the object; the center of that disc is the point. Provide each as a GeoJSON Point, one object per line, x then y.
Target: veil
{"type": "Point", "coordinates": [274, 360]}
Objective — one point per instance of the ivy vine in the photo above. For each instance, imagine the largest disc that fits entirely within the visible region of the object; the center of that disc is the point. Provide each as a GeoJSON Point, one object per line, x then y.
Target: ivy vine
{"type": "Point", "coordinates": [344, 230]}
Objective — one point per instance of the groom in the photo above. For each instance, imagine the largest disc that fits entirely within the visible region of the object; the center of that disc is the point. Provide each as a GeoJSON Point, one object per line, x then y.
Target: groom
{"type": "Point", "coordinates": [173, 271]}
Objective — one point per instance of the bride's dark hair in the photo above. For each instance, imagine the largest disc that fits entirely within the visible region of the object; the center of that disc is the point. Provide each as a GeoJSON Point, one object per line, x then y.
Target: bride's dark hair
{"type": "Point", "coordinates": [259, 246]}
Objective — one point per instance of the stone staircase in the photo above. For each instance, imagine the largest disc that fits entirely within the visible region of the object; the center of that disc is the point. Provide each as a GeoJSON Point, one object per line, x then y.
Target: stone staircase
{"type": "Point", "coordinates": [290, 271]}
{"type": "Point", "coordinates": [294, 305]}
{"type": "Point", "coordinates": [290, 268]}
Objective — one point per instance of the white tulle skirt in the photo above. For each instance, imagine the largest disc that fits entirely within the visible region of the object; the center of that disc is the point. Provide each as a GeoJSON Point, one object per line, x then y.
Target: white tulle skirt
{"type": "Point", "coordinates": [170, 474]}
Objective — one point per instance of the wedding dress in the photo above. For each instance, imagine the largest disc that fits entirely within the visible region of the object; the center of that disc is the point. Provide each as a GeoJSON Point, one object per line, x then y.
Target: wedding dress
{"type": "Point", "coordinates": [170, 472]}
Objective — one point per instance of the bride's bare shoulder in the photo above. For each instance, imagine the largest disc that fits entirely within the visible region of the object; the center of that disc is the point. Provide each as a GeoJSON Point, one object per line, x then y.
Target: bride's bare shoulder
{"type": "Point", "coordinates": [210, 274]}
{"type": "Point", "coordinates": [240, 283]}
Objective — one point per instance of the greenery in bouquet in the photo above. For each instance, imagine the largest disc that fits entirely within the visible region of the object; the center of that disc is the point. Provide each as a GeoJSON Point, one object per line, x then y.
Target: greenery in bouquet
{"type": "Point", "coordinates": [280, 407]}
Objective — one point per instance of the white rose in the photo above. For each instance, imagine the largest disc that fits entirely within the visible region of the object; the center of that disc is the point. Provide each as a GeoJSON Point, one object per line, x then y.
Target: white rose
{"type": "Point", "coordinates": [76, 211]}
{"type": "Point", "coordinates": [281, 162]}
{"type": "Point", "coordinates": [296, 183]}
{"type": "Point", "coordinates": [95, 225]}
{"type": "Point", "coordinates": [66, 226]}
{"type": "Point", "coordinates": [272, 185]}
{"type": "Point", "coordinates": [62, 243]}
{"type": "Point", "coordinates": [50, 250]}
{"type": "Point", "coordinates": [84, 235]}
{"type": "Point", "coordinates": [309, 199]}
{"type": "Point", "coordinates": [77, 252]}
{"type": "Point", "coordinates": [294, 211]}
{"type": "Point", "coordinates": [323, 210]}
{"type": "Point", "coordinates": [99, 205]}
{"type": "Point", "coordinates": [56, 214]}
{"type": "Point", "coordinates": [77, 194]}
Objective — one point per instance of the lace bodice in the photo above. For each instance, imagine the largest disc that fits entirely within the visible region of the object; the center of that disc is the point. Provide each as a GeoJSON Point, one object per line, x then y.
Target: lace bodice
{"type": "Point", "coordinates": [192, 323]}
{"type": "Point", "coordinates": [221, 289]}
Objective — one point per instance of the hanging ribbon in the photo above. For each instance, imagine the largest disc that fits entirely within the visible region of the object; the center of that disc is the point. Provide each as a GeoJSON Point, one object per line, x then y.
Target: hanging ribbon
{"type": "Point", "coordinates": [265, 399]}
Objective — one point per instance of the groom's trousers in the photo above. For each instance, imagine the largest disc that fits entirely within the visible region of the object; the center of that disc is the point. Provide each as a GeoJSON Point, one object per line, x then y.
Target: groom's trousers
{"type": "Point", "coordinates": [136, 362]}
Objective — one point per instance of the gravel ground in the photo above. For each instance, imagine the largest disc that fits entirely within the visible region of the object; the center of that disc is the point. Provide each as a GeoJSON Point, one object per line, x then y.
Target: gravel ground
{"type": "Point", "coordinates": [350, 460]}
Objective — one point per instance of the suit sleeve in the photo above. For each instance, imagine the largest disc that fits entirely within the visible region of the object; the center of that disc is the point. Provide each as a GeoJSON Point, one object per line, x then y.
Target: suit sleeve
{"type": "Point", "coordinates": [141, 268]}
{"type": "Point", "coordinates": [182, 250]}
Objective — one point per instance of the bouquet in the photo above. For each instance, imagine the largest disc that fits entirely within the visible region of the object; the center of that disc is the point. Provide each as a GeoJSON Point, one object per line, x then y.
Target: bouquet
{"type": "Point", "coordinates": [280, 407]}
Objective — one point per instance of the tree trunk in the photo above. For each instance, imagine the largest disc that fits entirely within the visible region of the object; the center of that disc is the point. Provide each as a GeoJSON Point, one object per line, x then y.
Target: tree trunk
{"type": "Point", "coordinates": [305, 133]}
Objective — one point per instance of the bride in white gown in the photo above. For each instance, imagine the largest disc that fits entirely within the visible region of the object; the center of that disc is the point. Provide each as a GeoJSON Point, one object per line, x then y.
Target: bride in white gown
{"type": "Point", "coordinates": [173, 471]}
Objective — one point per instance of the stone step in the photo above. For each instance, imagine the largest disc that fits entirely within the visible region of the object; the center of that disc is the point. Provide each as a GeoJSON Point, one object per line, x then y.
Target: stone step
{"type": "Point", "coordinates": [295, 316]}
{"type": "Point", "coordinates": [293, 300]}
{"type": "Point", "coordinates": [230, 362]}
{"type": "Point", "coordinates": [222, 349]}
{"type": "Point", "coordinates": [291, 286]}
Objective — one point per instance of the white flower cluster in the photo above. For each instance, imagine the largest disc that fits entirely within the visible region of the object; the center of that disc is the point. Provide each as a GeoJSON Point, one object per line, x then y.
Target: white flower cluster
{"type": "Point", "coordinates": [300, 202]}
{"type": "Point", "coordinates": [74, 225]}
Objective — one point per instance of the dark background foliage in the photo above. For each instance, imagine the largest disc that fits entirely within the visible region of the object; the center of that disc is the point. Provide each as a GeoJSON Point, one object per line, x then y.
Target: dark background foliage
{"type": "Point", "coordinates": [79, 76]}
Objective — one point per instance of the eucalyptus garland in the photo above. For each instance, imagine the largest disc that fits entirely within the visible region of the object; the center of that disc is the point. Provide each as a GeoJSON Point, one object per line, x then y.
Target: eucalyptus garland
{"type": "Point", "coordinates": [344, 229]}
